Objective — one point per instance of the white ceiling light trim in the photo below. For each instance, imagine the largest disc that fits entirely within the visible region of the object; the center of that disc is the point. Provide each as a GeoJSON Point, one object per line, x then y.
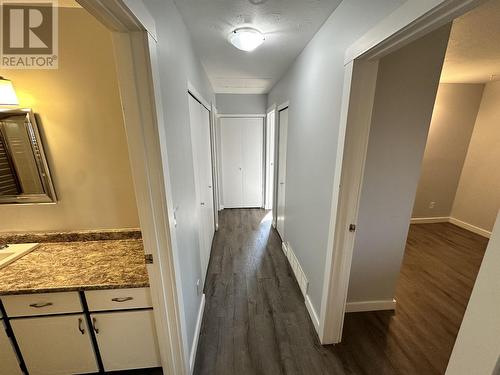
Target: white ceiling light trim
{"type": "Point", "coordinates": [246, 38]}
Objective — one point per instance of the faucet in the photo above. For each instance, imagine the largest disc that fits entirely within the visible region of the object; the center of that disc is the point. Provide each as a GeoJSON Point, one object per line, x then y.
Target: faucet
{"type": "Point", "coordinates": [3, 246]}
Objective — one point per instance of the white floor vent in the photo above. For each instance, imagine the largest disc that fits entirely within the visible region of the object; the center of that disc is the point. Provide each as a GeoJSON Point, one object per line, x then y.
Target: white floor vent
{"type": "Point", "coordinates": [300, 276]}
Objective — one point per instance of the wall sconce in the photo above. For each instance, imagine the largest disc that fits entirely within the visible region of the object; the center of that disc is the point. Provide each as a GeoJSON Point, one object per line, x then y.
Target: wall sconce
{"type": "Point", "coordinates": [7, 93]}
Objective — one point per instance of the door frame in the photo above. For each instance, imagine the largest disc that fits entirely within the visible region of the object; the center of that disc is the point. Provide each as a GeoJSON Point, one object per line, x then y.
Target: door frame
{"type": "Point", "coordinates": [218, 151]}
{"type": "Point", "coordinates": [136, 58]}
{"type": "Point", "coordinates": [408, 23]}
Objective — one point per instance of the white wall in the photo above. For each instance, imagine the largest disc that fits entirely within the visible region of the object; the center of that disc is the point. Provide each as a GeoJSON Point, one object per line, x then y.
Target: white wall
{"type": "Point", "coordinates": [241, 104]}
{"type": "Point", "coordinates": [179, 64]}
{"type": "Point", "coordinates": [313, 85]}
{"type": "Point", "coordinates": [406, 88]}
{"type": "Point", "coordinates": [477, 347]}
{"type": "Point", "coordinates": [453, 119]}
{"type": "Point", "coordinates": [82, 126]}
{"type": "Point", "coordinates": [478, 195]}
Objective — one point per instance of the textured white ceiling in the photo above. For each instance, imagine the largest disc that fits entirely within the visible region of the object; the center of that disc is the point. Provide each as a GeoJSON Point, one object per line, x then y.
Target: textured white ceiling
{"type": "Point", "coordinates": [473, 54]}
{"type": "Point", "coordinates": [288, 26]}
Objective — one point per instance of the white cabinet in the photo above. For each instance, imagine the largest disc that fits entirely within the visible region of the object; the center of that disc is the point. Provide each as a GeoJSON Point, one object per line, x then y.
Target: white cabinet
{"type": "Point", "coordinates": [8, 358]}
{"type": "Point", "coordinates": [55, 344]}
{"type": "Point", "coordinates": [126, 340]}
{"type": "Point", "coordinates": [242, 148]}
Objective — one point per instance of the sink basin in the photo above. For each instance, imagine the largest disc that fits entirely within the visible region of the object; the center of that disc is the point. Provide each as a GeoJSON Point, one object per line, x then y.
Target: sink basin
{"type": "Point", "coordinates": [14, 252]}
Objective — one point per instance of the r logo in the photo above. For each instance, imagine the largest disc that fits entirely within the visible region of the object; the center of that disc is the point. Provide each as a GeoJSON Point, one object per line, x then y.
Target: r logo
{"type": "Point", "coordinates": [27, 28]}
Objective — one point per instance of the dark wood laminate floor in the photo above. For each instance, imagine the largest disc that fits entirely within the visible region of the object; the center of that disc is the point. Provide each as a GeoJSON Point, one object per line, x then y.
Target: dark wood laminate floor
{"type": "Point", "coordinates": [255, 320]}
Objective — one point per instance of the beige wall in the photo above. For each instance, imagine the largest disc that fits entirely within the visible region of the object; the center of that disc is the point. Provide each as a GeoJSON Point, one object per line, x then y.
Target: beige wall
{"type": "Point", "coordinates": [81, 118]}
{"type": "Point", "coordinates": [451, 128]}
{"type": "Point", "coordinates": [478, 195]}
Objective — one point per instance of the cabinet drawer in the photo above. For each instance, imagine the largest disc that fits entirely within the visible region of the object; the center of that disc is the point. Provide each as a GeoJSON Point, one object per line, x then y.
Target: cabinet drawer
{"type": "Point", "coordinates": [118, 299]}
{"type": "Point", "coordinates": [42, 304]}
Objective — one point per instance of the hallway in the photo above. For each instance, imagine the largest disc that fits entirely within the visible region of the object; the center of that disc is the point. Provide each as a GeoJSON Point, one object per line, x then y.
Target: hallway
{"type": "Point", "coordinates": [255, 320]}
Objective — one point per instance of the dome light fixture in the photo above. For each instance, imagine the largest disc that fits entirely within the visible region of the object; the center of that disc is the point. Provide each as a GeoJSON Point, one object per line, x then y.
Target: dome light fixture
{"type": "Point", "coordinates": [246, 38]}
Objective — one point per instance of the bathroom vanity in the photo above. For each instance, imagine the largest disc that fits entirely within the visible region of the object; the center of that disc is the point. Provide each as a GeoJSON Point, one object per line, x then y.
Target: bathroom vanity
{"type": "Point", "coordinates": [74, 307]}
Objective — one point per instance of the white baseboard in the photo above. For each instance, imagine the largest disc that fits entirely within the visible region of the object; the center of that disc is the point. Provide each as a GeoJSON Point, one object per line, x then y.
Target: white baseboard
{"type": "Point", "coordinates": [370, 305]}
{"type": "Point", "coordinates": [301, 278]}
{"type": "Point", "coordinates": [312, 313]}
{"type": "Point", "coordinates": [452, 220]}
{"type": "Point", "coordinates": [470, 227]}
{"type": "Point", "coordinates": [428, 220]}
{"type": "Point", "coordinates": [194, 347]}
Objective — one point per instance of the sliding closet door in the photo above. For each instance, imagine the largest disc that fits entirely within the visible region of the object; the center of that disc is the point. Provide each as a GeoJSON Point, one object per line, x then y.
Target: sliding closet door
{"type": "Point", "coordinates": [253, 153]}
{"type": "Point", "coordinates": [242, 142]}
{"type": "Point", "coordinates": [231, 163]}
{"type": "Point", "coordinates": [202, 162]}
{"type": "Point", "coordinates": [280, 206]}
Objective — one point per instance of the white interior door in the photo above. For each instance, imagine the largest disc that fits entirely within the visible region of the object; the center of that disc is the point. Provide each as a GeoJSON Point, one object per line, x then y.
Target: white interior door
{"type": "Point", "coordinates": [270, 151]}
{"type": "Point", "coordinates": [242, 147]}
{"type": "Point", "coordinates": [202, 163]}
{"type": "Point", "coordinates": [280, 207]}
{"type": "Point", "coordinates": [253, 154]}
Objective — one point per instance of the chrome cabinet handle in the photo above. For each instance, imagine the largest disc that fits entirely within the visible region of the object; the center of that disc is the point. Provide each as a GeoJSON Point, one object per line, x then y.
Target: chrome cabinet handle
{"type": "Point", "coordinates": [40, 305]}
{"type": "Point", "coordinates": [122, 299]}
{"type": "Point", "coordinates": [94, 324]}
{"type": "Point", "coordinates": [80, 328]}
{"type": "Point", "coordinates": [202, 203]}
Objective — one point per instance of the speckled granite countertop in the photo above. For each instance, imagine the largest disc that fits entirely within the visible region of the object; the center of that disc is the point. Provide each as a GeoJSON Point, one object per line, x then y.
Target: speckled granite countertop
{"type": "Point", "coordinates": [77, 265]}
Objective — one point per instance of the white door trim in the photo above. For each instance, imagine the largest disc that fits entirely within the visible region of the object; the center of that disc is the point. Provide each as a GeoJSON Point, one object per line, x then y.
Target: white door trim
{"type": "Point", "coordinates": [196, 94]}
{"type": "Point", "coordinates": [222, 115]}
{"type": "Point", "coordinates": [134, 43]}
{"type": "Point", "coordinates": [282, 106]}
{"type": "Point", "coordinates": [412, 20]}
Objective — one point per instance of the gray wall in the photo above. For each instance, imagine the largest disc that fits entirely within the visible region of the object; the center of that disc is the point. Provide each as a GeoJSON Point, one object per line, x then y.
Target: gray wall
{"type": "Point", "coordinates": [478, 195]}
{"type": "Point", "coordinates": [406, 89]}
{"type": "Point", "coordinates": [451, 128]}
{"type": "Point", "coordinates": [241, 104]}
{"type": "Point", "coordinates": [313, 85]}
{"type": "Point", "coordinates": [179, 64]}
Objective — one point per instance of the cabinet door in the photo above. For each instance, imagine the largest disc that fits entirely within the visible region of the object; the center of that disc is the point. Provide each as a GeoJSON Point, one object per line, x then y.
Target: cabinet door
{"type": "Point", "coordinates": [8, 358]}
{"type": "Point", "coordinates": [55, 345]}
{"type": "Point", "coordinates": [127, 340]}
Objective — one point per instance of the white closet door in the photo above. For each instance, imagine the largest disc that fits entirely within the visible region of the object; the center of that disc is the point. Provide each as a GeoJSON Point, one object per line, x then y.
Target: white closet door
{"type": "Point", "coordinates": [208, 199]}
{"type": "Point", "coordinates": [253, 150]}
{"type": "Point", "coordinates": [242, 142]}
{"type": "Point", "coordinates": [202, 163]}
{"type": "Point", "coordinates": [231, 163]}
{"type": "Point", "coordinates": [283, 133]}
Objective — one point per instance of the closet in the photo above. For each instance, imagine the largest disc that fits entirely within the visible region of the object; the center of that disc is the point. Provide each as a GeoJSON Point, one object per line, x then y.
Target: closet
{"type": "Point", "coordinates": [242, 148]}
{"type": "Point", "coordinates": [202, 161]}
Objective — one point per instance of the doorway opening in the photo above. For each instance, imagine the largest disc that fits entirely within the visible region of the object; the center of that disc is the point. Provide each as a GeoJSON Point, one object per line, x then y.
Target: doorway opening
{"type": "Point", "coordinates": [442, 258]}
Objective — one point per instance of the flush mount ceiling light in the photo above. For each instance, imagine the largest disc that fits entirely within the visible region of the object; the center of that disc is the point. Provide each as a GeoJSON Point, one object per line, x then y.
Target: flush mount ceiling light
{"type": "Point", "coordinates": [246, 38]}
{"type": "Point", "coordinates": [7, 94]}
